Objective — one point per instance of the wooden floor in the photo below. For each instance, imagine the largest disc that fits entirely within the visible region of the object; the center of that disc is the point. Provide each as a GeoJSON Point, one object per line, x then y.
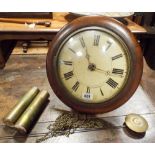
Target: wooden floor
{"type": "Point", "coordinates": [24, 71]}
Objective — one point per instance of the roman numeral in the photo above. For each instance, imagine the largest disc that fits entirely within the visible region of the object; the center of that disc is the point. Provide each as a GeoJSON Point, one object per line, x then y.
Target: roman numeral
{"type": "Point", "coordinates": [72, 50]}
{"type": "Point", "coordinates": [108, 45]}
{"type": "Point", "coordinates": [112, 83]}
{"type": "Point", "coordinates": [76, 86]}
{"type": "Point", "coordinates": [101, 92]}
{"type": "Point", "coordinates": [82, 42]}
{"type": "Point", "coordinates": [68, 63]}
{"type": "Point", "coordinates": [117, 71]}
{"type": "Point", "coordinates": [96, 40]}
{"type": "Point", "coordinates": [68, 75]}
{"type": "Point", "coordinates": [117, 56]}
{"type": "Point", "coordinates": [88, 89]}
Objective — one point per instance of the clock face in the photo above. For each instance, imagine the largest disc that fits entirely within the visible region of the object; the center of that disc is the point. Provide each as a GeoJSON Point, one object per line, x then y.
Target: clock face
{"type": "Point", "coordinates": [93, 65]}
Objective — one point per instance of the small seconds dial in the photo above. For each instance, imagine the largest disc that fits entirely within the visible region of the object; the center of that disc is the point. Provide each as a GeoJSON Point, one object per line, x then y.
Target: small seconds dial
{"type": "Point", "coordinates": [93, 65]}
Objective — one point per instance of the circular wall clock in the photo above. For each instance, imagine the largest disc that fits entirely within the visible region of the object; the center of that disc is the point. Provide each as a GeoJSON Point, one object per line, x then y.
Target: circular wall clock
{"type": "Point", "coordinates": [94, 64]}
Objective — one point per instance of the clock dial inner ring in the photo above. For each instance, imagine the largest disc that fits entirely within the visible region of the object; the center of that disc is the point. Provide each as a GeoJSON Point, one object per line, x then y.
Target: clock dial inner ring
{"type": "Point", "coordinates": [93, 65]}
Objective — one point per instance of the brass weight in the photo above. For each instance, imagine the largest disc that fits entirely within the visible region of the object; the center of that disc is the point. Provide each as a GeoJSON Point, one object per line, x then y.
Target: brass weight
{"type": "Point", "coordinates": [20, 107]}
{"type": "Point", "coordinates": [32, 112]}
{"type": "Point", "coordinates": [136, 123]}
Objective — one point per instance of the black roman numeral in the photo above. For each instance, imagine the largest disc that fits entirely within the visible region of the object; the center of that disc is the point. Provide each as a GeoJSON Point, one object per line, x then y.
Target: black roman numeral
{"type": "Point", "coordinates": [108, 45]}
{"type": "Point", "coordinates": [96, 40]}
{"type": "Point", "coordinates": [68, 75]}
{"type": "Point", "coordinates": [112, 83]}
{"type": "Point", "coordinates": [82, 42]}
{"type": "Point", "coordinates": [68, 63]}
{"type": "Point", "coordinates": [101, 92]}
{"type": "Point", "coordinates": [117, 71]}
{"type": "Point", "coordinates": [76, 86]}
{"type": "Point", "coordinates": [72, 50]}
{"type": "Point", "coordinates": [117, 56]}
{"type": "Point", "coordinates": [88, 89]}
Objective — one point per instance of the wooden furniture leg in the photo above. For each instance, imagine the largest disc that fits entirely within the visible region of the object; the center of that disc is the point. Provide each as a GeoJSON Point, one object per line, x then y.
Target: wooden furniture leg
{"type": "Point", "coordinates": [6, 47]}
{"type": "Point", "coordinates": [149, 53]}
{"type": "Point", "coordinates": [2, 61]}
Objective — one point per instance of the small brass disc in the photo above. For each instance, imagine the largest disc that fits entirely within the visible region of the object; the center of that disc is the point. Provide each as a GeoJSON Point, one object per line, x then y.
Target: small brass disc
{"type": "Point", "coordinates": [136, 123]}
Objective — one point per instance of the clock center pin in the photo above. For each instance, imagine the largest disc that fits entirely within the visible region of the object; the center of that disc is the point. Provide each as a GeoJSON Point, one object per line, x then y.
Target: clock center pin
{"type": "Point", "coordinates": [91, 67]}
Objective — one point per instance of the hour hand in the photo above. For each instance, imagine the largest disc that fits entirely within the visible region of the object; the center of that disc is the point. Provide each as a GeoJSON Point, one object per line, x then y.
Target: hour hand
{"type": "Point", "coordinates": [87, 56]}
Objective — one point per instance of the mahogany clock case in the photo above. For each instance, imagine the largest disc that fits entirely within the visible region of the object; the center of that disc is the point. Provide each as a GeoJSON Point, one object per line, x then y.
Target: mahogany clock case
{"type": "Point", "coordinates": [136, 65]}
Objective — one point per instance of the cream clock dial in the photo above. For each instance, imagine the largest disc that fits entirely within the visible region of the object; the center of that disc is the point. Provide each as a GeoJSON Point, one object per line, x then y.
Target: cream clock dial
{"type": "Point", "coordinates": [94, 64]}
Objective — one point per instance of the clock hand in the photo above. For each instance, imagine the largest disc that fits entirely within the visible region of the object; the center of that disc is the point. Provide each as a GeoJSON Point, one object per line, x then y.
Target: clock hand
{"type": "Point", "coordinates": [103, 71]}
{"type": "Point", "coordinates": [87, 56]}
{"type": "Point", "coordinates": [107, 72]}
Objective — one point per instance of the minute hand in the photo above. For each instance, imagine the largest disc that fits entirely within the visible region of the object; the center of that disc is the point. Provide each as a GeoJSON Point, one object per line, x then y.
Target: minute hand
{"type": "Point", "coordinates": [108, 72]}
{"type": "Point", "coordinates": [101, 70]}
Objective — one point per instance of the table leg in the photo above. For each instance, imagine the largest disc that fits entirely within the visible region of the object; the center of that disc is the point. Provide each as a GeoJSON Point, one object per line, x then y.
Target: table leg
{"type": "Point", "coordinates": [6, 47]}
{"type": "Point", "coordinates": [149, 53]}
{"type": "Point", "coordinates": [2, 61]}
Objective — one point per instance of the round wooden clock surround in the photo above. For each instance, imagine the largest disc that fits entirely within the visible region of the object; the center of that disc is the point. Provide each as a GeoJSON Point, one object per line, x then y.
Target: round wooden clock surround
{"type": "Point", "coordinates": [119, 32]}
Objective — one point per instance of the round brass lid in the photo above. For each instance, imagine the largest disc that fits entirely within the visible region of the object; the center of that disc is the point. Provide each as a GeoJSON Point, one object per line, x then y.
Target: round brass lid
{"type": "Point", "coordinates": [136, 123]}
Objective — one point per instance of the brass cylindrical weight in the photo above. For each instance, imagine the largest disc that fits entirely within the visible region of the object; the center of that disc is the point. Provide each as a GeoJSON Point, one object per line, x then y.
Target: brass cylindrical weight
{"type": "Point", "coordinates": [20, 107]}
{"type": "Point", "coordinates": [32, 112]}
